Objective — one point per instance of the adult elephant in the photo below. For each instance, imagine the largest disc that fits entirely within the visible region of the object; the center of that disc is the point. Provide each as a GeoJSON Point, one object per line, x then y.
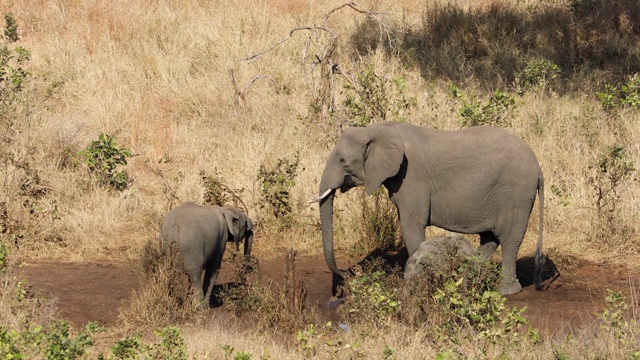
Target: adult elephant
{"type": "Point", "coordinates": [201, 234]}
{"type": "Point", "coordinates": [480, 180]}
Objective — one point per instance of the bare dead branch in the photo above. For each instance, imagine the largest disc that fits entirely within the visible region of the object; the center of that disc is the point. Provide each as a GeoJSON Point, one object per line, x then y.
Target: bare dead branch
{"type": "Point", "coordinates": [322, 85]}
{"type": "Point", "coordinates": [242, 94]}
{"type": "Point", "coordinates": [255, 57]}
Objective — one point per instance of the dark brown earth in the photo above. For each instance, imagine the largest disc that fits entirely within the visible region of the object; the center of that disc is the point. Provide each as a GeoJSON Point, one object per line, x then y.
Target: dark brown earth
{"type": "Point", "coordinates": [93, 292]}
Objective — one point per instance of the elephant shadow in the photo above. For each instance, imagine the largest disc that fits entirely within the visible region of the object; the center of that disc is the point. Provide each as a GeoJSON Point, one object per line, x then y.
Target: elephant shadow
{"type": "Point", "coordinates": [525, 268]}
{"type": "Point", "coordinates": [216, 297]}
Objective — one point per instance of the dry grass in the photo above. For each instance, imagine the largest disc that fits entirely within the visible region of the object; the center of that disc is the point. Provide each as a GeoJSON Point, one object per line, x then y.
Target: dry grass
{"type": "Point", "coordinates": [156, 75]}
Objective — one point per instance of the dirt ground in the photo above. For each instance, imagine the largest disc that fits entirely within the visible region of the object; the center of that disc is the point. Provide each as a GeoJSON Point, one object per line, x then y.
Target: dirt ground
{"type": "Point", "coordinates": [93, 292]}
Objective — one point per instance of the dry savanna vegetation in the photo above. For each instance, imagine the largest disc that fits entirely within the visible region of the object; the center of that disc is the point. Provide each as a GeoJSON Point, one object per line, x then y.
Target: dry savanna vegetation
{"type": "Point", "coordinates": [113, 112]}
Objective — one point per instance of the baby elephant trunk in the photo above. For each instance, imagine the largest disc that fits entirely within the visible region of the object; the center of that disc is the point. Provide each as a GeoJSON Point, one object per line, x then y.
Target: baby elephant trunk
{"type": "Point", "coordinates": [247, 245]}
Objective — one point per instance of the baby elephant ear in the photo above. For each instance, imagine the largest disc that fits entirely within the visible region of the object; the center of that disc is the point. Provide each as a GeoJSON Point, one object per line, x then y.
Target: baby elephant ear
{"type": "Point", "coordinates": [233, 224]}
{"type": "Point", "coordinates": [383, 157]}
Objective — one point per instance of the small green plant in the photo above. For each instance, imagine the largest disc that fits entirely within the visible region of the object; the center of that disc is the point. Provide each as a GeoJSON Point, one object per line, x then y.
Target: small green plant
{"type": "Point", "coordinates": [626, 95]}
{"type": "Point", "coordinates": [614, 318]}
{"type": "Point", "coordinates": [304, 338]}
{"type": "Point", "coordinates": [371, 299]}
{"type": "Point", "coordinates": [496, 111]}
{"type": "Point", "coordinates": [277, 183]}
{"type": "Point", "coordinates": [243, 355]}
{"type": "Point", "coordinates": [170, 346]}
{"type": "Point", "coordinates": [387, 353]}
{"type": "Point", "coordinates": [103, 158]}
{"type": "Point", "coordinates": [565, 199]}
{"type": "Point", "coordinates": [4, 256]}
{"type": "Point", "coordinates": [372, 98]}
{"type": "Point", "coordinates": [608, 175]}
{"type": "Point", "coordinates": [13, 72]}
{"type": "Point", "coordinates": [127, 347]}
{"type": "Point", "coordinates": [537, 74]}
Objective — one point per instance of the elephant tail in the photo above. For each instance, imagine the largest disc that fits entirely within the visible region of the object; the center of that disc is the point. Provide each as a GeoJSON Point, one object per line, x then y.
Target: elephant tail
{"type": "Point", "coordinates": [540, 259]}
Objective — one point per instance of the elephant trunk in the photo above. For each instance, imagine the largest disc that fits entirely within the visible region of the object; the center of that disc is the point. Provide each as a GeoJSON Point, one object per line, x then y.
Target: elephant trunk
{"type": "Point", "coordinates": [326, 223]}
{"type": "Point", "coordinates": [247, 245]}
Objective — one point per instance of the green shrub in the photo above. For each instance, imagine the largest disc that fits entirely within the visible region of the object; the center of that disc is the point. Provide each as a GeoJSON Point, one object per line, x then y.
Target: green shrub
{"type": "Point", "coordinates": [626, 95]}
{"type": "Point", "coordinates": [537, 74]}
{"type": "Point", "coordinates": [372, 299]}
{"type": "Point", "coordinates": [371, 98]}
{"type": "Point", "coordinates": [496, 111]}
{"type": "Point", "coordinates": [457, 294]}
{"type": "Point", "coordinates": [277, 183]}
{"type": "Point", "coordinates": [615, 318]}
{"type": "Point", "coordinates": [54, 342]}
{"type": "Point", "coordinates": [103, 158]}
{"type": "Point", "coordinates": [170, 346]}
{"type": "Point", "coordinates": [14, 74]}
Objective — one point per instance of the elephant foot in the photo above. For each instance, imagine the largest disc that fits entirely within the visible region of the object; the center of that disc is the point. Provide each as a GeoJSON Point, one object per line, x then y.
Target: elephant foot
{"type": "Point", "coordinates": [511, 288]}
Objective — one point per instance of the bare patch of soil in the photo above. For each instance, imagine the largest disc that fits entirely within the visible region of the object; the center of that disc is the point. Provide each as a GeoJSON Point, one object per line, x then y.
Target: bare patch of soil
{"type": "Point", "coordinates": [94, 292]}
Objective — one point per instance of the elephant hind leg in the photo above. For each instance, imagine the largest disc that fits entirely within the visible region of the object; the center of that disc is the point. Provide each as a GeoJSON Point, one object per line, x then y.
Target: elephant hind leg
{"type": "Point", "coordinates": [510, 283]}
{"type": "Point", "coordinates": [196, 282]}
{"type": "Point", "coordinates": [513, 229]}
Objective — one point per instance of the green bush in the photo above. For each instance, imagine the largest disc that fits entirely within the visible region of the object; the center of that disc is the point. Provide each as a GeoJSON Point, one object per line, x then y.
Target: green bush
{"type": "Point", "coordinates": [626, 95]}
{"type": "Point", "coordinates": [372, 298]}
{"type": "Point", "coordinates": [458, 294]}
{"type": "Point", "coordinates": [277, 183]}
{"type": "Point", "coordinates": [13, 72]}
{"type": "Point", "coordinates": [371, 98]}
{"type": "Point", "coordinates": [496, 111]}
{"type": "Point", "coordinates": [54, 342]}
{"type": "Point", "coordinates": [103, 158]}
{"type": "Point", "coordinates": [537, 74]}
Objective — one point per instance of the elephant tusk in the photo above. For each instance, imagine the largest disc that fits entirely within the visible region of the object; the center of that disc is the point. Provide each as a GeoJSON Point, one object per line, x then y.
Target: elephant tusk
{"type": "Point", "coordinates": [319, 198]}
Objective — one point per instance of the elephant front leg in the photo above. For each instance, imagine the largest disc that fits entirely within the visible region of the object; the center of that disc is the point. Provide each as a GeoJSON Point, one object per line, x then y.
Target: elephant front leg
{"type": "Point", "coordinates": [413, 234]}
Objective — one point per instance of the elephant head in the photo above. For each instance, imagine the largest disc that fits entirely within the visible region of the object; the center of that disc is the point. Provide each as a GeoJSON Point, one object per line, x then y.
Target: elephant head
{"type": "Point", "coordinates": [240, 227]}
{"type": "Point", "coordinates": [362, 156]}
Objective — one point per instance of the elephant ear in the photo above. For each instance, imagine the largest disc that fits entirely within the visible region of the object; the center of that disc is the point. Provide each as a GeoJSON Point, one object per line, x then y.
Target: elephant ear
{"type": "Point", "coordinates": [233, 224]}
{"type": "Point", "coordinates": [383, 156]}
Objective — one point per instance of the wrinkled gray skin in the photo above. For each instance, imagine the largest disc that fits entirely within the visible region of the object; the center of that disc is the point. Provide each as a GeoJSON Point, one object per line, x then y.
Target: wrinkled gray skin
{"type": "Point", "coordinates": [434, 247]}
{"type": "Point", "coordinates": [479, 180]}
{"type": "Point", "coordinates": [201, 234]}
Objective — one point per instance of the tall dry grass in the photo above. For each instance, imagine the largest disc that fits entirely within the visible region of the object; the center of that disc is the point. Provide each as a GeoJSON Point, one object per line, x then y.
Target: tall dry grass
{"type": "Point", "coordinates": [157, 75]}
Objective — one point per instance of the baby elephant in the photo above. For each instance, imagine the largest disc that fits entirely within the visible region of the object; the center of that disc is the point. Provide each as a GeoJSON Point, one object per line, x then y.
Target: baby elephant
{"type": "Point", "coordinates": [201, 234]}
{"type": "Point", "coordinates": [434, 247]}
